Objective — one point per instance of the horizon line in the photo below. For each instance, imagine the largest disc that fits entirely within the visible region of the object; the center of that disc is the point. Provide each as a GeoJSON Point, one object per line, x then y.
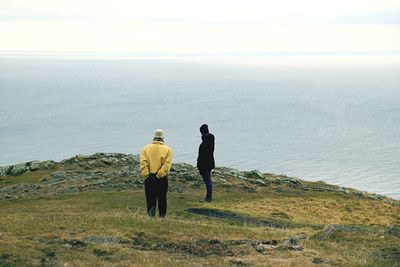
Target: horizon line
{"type": "Point", "coordinates": [209, 53]}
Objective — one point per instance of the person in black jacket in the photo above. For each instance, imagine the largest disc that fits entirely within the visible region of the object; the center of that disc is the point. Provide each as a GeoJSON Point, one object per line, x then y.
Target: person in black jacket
{"type": "Point", "coordinates": [205, 160]}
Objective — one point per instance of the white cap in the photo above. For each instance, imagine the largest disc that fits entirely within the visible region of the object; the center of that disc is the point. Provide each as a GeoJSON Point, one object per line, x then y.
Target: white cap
{"type": "Point", "coordinates": [159, 133]}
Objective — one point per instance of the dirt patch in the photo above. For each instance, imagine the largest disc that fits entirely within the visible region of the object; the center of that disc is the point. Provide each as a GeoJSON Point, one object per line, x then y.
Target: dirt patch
{"type": "Point", "coordinates": [236, 217]}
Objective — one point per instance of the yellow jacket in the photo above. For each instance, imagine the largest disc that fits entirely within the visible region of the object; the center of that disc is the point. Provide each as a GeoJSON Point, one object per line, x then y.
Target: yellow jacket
{"type": "Point", "coordinates": [155, 157]}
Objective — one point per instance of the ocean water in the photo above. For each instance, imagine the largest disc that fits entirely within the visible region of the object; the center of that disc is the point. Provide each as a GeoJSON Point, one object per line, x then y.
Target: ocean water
{"type": "Point", "coordinates": [337, 122]}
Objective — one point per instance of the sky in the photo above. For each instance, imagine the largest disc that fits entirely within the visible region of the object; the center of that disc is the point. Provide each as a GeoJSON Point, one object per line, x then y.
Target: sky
{"type": "Point", "coordinates": [206, 26]}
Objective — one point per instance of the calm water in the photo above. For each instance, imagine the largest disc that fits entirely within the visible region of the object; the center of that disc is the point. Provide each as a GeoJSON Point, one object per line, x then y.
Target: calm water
{"type": "Point", "coordinates": [334, 122]}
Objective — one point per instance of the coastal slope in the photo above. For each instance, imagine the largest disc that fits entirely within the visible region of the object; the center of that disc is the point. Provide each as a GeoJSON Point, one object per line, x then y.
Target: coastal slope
{"type": "Point", "coordinates": [90, 210]}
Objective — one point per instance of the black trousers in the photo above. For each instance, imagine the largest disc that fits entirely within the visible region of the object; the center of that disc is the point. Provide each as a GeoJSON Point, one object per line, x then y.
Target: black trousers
{"type": "Point", "coordinates": [156, 191]}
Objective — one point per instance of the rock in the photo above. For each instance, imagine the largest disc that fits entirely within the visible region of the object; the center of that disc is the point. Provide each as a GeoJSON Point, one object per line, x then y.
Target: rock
{"type": "Point", "coordinates": [254, 174]}
{"type": "Point", "coordinates": [109, 160]}
{"type": "Point", "coordinates": [100, 240]}
{"type": "Point", "coordinates": [236, 262]}
{"type": "Point", "coordinates": [191, 177]}
{"type": "Point", "coordinates": [115, 171]}
{"type": "Point", "coordinates": [262, 245]}
{"type": "Point", "coordinates": [75, 244]}
{"type": "Point", "coordinates": [94, 163]}
{"type": "Point", "coordinates": [182, 167]}
{"type": "Point", "coordinates": [5, 170]}
{"type": "Point", "coordinates": [331, 229]}
{"type": "Point", "coordinates": [19, 169]}
{"type": "Point", "coordinates": [224, 171]}
{"type": "Point", "coordinates": [19, 190]}
{"type": "Point", "coordinates": [292, 243]}
{"type": "Point", "coordinates": [133, 158]}
{"type": "Point", "coordinates": [35, 165]}
{"type": "Point", "coordinates": [258, 182]}
{"type": "Point", "coordinates": [40, 165]}
{"type": "Point", "coordinates": [343, 190]}
{"type": "Point", "coordinates": [318, 261]}
{"type": "Point", "coordinates": [109, 155]}
{"type": "Point", "coordinates": [286, 180]}
{"type": "Point", "coordinates": [58, 175]}
{"type": "Point", "coordinates": [237, 242]}
{"type": "Point", "coordinates": [47, 164]}
{"type": "Point", "coordinates": [81, 157]}
{"type": "Point", "coordinates": [376, 197]}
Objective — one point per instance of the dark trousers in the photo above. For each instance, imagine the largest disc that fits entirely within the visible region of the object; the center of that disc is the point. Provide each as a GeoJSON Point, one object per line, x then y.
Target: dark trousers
{"type": "Point", "coordinates": [206, 174]}
{"type": "Point", "coordinates": [156, 191]}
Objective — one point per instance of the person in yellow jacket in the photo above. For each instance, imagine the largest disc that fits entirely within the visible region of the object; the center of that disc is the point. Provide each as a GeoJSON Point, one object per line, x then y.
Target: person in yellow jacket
{"type": "Point", "coordinates": [155, 164]}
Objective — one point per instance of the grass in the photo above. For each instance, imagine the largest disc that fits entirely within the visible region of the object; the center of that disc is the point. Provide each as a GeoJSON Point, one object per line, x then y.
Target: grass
{"type": "Point", "coordinates": [322, 208]}
{"type": "Point", "coordinates": [27, 177]}
{"type": "Point", "coordinates": [51, 230]}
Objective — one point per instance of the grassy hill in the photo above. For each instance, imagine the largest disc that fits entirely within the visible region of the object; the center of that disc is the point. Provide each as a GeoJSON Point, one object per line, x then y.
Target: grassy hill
{"type": "Point", "coordinates": [90, 211]}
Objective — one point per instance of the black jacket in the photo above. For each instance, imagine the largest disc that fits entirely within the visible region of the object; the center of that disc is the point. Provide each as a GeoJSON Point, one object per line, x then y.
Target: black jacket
{"type": "Point", "coordinates": [205, 160]}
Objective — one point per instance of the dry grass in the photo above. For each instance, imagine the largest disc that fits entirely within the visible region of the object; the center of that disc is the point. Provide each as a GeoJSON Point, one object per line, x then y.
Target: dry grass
{"type": "Point", "coordinates": [40, 231]}
{"type": "Point", "coordinates": [322, 209]}
{"type": "Point", "coordinates": [27, 177]}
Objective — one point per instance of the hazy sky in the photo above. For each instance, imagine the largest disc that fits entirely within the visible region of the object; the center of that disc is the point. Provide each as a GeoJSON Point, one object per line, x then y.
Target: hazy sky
{"type": "Point", "coordinates": [187, 26]}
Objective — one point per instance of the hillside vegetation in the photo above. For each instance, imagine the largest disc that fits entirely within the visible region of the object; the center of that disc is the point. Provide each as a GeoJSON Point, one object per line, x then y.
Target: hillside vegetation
{"type": "Point", "coordinates": [90, 211]}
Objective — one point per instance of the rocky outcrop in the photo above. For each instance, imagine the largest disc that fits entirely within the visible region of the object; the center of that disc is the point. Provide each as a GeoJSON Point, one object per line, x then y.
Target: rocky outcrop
{"type": "Point", "coordinates": [21, 168]}
{"type": "Point", "coordinates": [116, 171]}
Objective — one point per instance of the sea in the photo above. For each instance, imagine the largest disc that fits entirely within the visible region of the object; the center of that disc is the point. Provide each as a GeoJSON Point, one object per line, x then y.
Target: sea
{"type": "Point", "coordinates": [334, 120]}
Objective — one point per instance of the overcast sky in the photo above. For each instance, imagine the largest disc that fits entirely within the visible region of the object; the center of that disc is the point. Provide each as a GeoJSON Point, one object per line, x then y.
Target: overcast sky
{"type": "Point", "coordinates": [206, 26]}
